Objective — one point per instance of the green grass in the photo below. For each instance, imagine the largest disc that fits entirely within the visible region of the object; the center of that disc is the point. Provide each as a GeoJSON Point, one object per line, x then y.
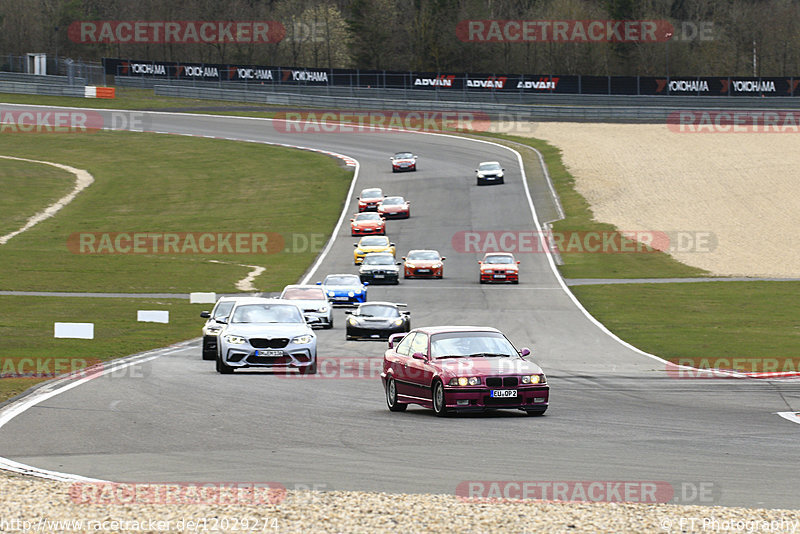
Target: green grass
{"type": "Point", "coordinates": [701, 320]}
{"type": "Point", "coordinates": [27, 189]}
{"type": "Point", "coordinates": [163, 183]}
{"type": "Point", "coordinates": [126, 98]}
{"type": "Point", "coordinates": [579, 218]}
{"type": "Point", "coordinates": [26, 327]}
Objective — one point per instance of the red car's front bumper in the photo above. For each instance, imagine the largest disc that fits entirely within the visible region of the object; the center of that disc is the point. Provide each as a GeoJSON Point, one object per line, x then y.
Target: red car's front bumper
{"type": "Point", "coordinates": [478, 399]}
{"type": "Point", "coordinates": [423, 272]}
{"type": "Point", "coordinates": [374, 230]}
{"type": "Point", "coordinates": [506, 276]}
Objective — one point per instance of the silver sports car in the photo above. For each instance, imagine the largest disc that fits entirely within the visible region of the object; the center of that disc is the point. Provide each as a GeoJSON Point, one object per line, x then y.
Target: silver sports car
{"type": "Point", "coordinates": [269, 333]}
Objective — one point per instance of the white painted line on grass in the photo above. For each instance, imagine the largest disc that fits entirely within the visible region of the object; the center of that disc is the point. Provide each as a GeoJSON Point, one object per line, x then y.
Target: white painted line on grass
{"type": "Point", "coordinates": [82, 180]}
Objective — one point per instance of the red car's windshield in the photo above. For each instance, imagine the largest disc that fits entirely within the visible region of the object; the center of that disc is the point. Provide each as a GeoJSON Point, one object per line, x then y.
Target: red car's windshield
{"type": "Point", "coordinates": [489, 344]}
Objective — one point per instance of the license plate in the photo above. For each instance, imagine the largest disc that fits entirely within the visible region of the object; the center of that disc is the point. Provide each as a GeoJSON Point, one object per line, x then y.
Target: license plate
{"type": "Point", "coordinates": [269, 352]}
{"type": "Point", "coordinates": [499, 276]}
{"type": "Point", "coordinates": [503, 393]}
{"type": "Point", "coordinates": [423, 270]}
{"type": "Point", "coordinates": [340, 298]}
{"type": "Point", "coordinates": [377, 276]}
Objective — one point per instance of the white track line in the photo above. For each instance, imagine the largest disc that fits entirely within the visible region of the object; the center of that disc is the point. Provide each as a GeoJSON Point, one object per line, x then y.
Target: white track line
{"type": "Point", "coordinates": [82, 180]}
{"type": "Point", "coordinates": [56, 387]}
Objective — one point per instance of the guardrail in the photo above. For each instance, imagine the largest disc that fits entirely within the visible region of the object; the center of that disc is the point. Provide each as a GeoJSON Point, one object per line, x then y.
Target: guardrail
{"type": "Point", "coordinates": [582, 107]}
{"type": "Point", "coordinates": [41, 78]}
{"type": "Point", "coordinates": [450, 95]}
{"type": "Point", "coordinates": [41, 89]}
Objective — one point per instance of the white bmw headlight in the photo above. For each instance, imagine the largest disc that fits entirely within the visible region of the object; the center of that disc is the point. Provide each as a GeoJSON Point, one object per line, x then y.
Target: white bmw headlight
{"type": "Point", "coordinates": [235, 340]}
{"type": "Point", "coordinates": [323, 309]}
{"type": "Point", "coordinates": [303, 340]}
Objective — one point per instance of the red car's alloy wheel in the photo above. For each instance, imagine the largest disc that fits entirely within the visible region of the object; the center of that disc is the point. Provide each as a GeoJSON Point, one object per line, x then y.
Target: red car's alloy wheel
{"type": "Point", "coordinates": [391, 397]}
{"type": "Point", "coordinates": [438, 399]}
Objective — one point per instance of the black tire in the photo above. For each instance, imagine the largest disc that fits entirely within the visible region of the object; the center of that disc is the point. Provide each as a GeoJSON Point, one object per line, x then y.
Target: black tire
{"type": "Point", "coordinates": [328, 326]}
{"type": "Point", "coordinates": [309, 370]}
{"type": "Point", "coordinates": [481, 280]}
{"type": "Point", "coordinates": [502, 180]}
{"type": "Point", "coordinates": [222, 367]}
{"type": "Point", "coordinates": [391, 397]}
{"type": "Point", "coordinates": [438, 400]}
{"type": "Point", "coordinates": [515, 281]}
{"type": "Point", "coordinates": [535, 413]}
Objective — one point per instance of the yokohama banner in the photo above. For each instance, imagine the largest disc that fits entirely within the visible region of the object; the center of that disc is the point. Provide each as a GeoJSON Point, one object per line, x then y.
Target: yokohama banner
{"type": "Point", "coordinates": [456, 81]}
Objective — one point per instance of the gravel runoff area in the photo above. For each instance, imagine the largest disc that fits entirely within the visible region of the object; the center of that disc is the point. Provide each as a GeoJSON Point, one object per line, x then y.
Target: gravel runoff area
{"type": "Point", "coordinates": [39, 505]}
{"type": "Point", "coordinates": [742, 188]}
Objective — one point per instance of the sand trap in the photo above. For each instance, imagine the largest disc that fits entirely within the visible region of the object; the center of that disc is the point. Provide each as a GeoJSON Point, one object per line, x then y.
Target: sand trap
{"type": "Point", "coordinates": [82, 180]}
{"type": "Point", "coordinates": [743, 187]}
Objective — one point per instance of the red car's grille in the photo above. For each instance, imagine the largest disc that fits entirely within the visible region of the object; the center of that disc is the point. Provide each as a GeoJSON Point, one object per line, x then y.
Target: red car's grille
{"type": "Point", "coordinates": [499, 381]}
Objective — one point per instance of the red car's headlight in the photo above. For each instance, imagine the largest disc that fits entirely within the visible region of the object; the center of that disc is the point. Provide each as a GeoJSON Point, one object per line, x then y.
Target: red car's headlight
{"type": "Point", "coordinates": [464, 381]}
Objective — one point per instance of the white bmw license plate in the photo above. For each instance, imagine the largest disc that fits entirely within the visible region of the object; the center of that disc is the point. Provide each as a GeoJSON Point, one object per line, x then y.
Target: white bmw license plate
{"type": "Point", "coordinates": [377, 276]}
{"type": "Point", "coordinates": [499, 276]}
{"type": "Point", "coordinates": [503, 393]}
{"type": "Point", "coordinates": [269, 352]}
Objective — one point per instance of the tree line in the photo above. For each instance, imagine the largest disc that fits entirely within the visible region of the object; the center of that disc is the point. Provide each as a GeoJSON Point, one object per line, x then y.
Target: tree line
{"type": "Point", "coordinates": [710, 37]}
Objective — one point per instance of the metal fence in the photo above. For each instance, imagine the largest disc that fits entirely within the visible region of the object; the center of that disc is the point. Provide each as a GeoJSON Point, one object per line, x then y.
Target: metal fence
{"type": "Point", "coordinates": [59, 70]}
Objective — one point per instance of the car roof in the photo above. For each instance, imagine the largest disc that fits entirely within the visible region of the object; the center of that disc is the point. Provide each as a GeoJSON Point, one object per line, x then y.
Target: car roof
{"type": "Point", "coordinates": [394, 196]}
{"type": "Point", "coordinates": [379, 303]}
{"type": "Point", "coordinates": [498, 254]}
{"type": "Point", "coordinates": [431, 330]}
{"type": "Point", "coordinates": [423, 250]}
{"type": "Point", "coordinates": [301, 286]}
{"type": "Point", "coordinates": [259, 300]}
{"type": "Point", "coordinates": [351, 275]}
{"type": "Point", "coordinates": [371, 236]}
{"type": "Point", "coordinates": [372, 189]}
{"type": "Point", "coordinates": [379, 254]}
{"type": "Point", "coordinates": [489, 162]}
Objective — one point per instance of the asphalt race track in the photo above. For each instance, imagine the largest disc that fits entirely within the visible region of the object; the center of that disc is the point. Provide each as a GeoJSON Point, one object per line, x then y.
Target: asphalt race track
{"type": "Point", "coordinates": [615, 414]}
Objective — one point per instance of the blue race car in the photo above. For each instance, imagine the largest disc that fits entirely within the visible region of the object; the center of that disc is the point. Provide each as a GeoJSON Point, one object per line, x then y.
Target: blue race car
{"type": "Point", "coordinates": [344, 289]}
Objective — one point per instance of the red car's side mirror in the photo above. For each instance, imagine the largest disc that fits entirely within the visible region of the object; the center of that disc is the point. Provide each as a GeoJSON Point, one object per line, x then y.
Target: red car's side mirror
{"type": "Point", "coordinates": [394, 338]}
{"type": "Point", "coordinates": [517, 262]}
{"type": "Point", "coordinates": [419, 356]}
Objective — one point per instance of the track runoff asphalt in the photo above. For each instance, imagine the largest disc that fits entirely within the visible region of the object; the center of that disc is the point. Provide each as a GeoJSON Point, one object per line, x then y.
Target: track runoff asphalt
{"type": "Point", "coordinates": [615, 414]}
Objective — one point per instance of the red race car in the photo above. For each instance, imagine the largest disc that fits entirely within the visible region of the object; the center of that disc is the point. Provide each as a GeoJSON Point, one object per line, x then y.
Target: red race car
{"type": "Point", "coordinates": [499, 267]}
{"type": "Point", "coordinates": [367, 223]}
{"type": "Point", "coordinates": [423, 264]}
{"type": "Point", "coordinates": [404, 161]}
{"type": "Point", "coordinates": [394, 208]}
{"type": "Point", "coordinates": [461, 369]}
{"type": "Point", "coordinates": [369, 199]}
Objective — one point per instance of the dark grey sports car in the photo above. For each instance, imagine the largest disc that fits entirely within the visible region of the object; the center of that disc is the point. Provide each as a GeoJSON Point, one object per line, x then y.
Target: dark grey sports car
{"type": "Point", "coordinates": [379, 268]}
{"type": "Point", "coordinates": [377, 320]}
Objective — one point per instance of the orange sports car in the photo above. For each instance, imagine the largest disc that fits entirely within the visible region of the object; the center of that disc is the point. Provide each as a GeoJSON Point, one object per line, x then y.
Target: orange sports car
{"type": "Point", "coordinates": [367, 223]}
{"type": "Point", "coordinates": [369, 199]}
{"type": "Point", "coordinates": [423, 264]}
{"type": "Point", "coordinates": [499, 267]}
{"type": "Point", "coordinates": [394, 208]}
